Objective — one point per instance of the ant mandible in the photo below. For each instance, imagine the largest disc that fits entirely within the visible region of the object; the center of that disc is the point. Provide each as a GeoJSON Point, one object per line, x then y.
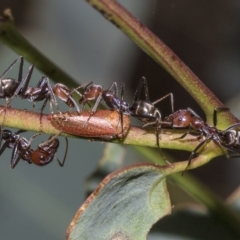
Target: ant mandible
{"type": "Point", "coordinates": [41, 156]}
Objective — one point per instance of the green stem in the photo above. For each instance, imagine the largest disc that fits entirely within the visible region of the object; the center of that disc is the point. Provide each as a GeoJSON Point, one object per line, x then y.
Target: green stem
{"type": "Point", "coordinates": [163, 55]}
{"type": "Point", "coordinates": [13, 39]}
{"type": "Point", "coordinates": [25, 120]}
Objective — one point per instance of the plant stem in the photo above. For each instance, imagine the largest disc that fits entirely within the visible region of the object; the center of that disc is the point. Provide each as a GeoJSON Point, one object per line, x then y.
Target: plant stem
{"type": "Point", "coordinates": [13, 39]}
{"type": "Point", "coordinates": [25, 120]}
{"type": "Point", "coordinates": [164, 56]}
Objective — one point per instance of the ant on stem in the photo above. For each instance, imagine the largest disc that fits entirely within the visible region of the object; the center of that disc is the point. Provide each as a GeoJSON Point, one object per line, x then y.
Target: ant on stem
{"type": "Point", "coordinates": [228, 139]}
{"type": "Point", "coordinates": [146, 111]}
{"type": "Point", "coordinates": [109, 96]}
{"type": "Point", "coordinates": [10, 88]}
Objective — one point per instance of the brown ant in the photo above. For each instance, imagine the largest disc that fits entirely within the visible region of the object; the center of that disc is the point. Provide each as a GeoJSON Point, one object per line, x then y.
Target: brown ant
{"type": "Point", "coordinates": [41, 156]}
{"type": "Point", "coordinates": [9, 88]}
{"type": "Point", "coordinates": [146, 111]}
{"type": "Point", "coordinates": [228, 139]}
{"type": "Point", "coordinates": [109, 96]}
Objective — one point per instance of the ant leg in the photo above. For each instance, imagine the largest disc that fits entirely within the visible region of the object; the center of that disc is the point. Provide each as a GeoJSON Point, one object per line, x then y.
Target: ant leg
{"type": "Point", "coordinates": [14, 160]}
{"type": "Point", "coordinates": [65, 155]}
{"type": "Point", "coordinates": [193, 113]}
{"type": "Point", "coordinates": [194, 152]}
{"type": "Point", "coordinates": [85, 86]}
{"type": "Point", "coordinates": [143, 81]}
{"type": "Point", "coordinates": [20, 131]}
{"type": "Point", "coordinates": [216, 110]}
{"type": "Point", "coordinates": [33, 106]}
{"type": "Point", "coordinates": [155, 122]}
{"type": "Point", "coordinates": [75, 104]}
{"type": "Point", "coordinates": [11, 65]}
{"type": "Point", "coordinates": [23, 83]}
{"type": "Point", "coordinates": [94, 109]}
{"type": "Point", "coordinates": [1, 131]}
{"type": "Point", "coordinates": [183, 136]}
{"type": "Point", "coordinates": [231, 127]}
{"type": "Point", "coordinates": [41, 113]}
{"type": "Point", "coordinates": [4, 146]}
{"type": "Point", "coordinates": [49, 140]}
{"type": "Point", "coordinates": [162, 98]}
{"type": "Point", "coordinates": [121, 108]}
{"type": "Point", "coordinates": [52, 97]}
{"type": "Point", "coordinates": [138, 90]}
{"type": "Point", "coordinates": [199, 134]}
{"type": "Point", "coordinates": [114, 87]}
{"type": "Point", "coordinates": [158, 129]}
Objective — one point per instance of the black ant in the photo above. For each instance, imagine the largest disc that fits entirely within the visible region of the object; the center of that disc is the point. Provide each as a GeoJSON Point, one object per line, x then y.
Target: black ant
{"type": "Point", "coordinates": [228, 139]}
{"type": "Point", "coordinates": [231, 140]}
{"type": "Point", "coordinates": [146, 111]}
{"type": "Point", "coordinates": [9, 88]}
{"type": "Point", "coordinates": [41, 156]}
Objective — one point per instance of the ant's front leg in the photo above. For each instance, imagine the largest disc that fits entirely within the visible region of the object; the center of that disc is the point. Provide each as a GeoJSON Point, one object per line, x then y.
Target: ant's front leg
{"type": "Point", "coordinates": [196, 133]}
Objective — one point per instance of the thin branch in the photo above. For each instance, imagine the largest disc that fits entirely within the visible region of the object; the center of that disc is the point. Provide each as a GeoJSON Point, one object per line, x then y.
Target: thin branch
{"type": "Point", "coordinates": [25, 120]}
{"type": "Point", "coordinates": [164, 56]}
{"type": "Point", "coordinates": [13, 39]}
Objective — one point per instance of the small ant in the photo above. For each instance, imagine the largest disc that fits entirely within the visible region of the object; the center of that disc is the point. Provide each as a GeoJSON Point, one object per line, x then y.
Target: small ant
{"type": "Point", "coordinates": [41, 156]}
{"type": "Point", "coordinates": [146, 111]}
{"type": "Point", "coordinates": [228, 139]}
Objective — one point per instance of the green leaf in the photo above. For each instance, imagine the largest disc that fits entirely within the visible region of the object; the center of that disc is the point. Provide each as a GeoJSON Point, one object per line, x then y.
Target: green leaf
{"type": "Point", "coordinates": [112, 159]}
{"type": "Point", "coordinates": [124, 206]}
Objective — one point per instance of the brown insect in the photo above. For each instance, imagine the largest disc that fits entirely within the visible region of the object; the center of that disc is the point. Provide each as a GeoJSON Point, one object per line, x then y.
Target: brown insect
{"type": "Point", "coordinates": [103, 124]}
